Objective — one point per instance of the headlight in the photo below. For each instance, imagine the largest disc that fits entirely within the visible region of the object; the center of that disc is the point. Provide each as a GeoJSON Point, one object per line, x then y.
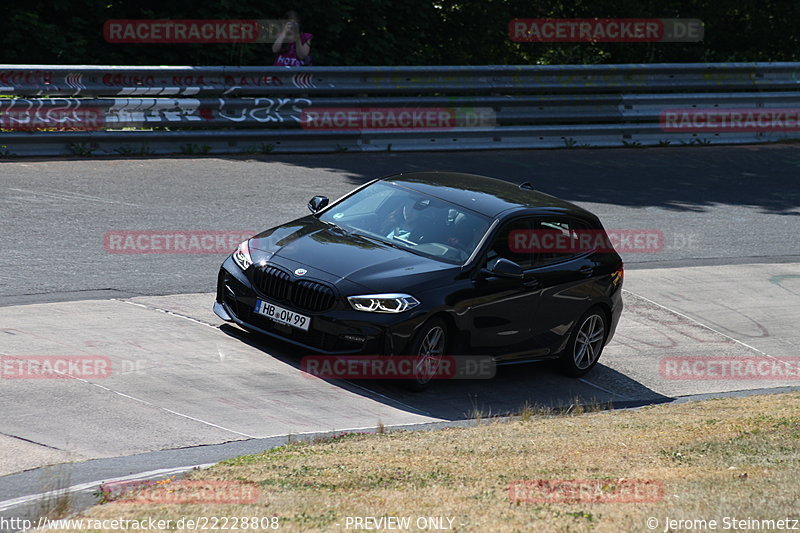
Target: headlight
{"type": "Point", "coordinates": [383, 303]}
{"type": "Point", "coordinates": [242, 256]}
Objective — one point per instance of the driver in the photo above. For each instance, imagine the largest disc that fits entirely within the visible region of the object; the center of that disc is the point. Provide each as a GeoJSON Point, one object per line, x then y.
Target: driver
{"type": "Point", "coordinates": [406, 222]}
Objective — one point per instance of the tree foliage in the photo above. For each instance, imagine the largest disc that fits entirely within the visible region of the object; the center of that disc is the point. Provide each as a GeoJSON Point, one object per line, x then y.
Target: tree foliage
{"type": "Point", "coordinates": [399, 32]}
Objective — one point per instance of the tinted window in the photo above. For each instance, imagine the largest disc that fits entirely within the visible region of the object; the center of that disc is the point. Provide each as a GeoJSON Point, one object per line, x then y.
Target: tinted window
{"type": "Point", "coordinates": [418, 222]}
{"type": "Point", "coordinates": [504, 244]}
{"type": "Point", "coordinates": [568, 231]}
{"type": "Point", "coordinates": [536, 241]}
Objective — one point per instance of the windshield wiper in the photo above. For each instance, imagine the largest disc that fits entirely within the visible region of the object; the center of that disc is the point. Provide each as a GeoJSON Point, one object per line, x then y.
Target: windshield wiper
{"type": "Point", "coordinates": [387, 242]}
{"type": "Point", "coordinates": [337, 226]}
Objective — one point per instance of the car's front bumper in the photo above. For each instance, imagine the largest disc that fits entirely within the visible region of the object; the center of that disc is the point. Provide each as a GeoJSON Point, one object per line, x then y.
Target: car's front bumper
{"type": "Point", "coordinates": [340, 330]}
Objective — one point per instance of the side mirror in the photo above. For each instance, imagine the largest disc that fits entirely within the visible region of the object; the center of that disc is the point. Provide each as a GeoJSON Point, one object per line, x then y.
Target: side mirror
{"type": "Point", "coordinates": [317, 203]}
{"type": "Point", "coordinates": [503, 268]}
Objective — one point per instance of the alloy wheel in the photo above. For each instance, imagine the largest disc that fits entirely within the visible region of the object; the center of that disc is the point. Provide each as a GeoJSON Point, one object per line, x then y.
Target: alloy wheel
{"type": "Point", "coordinates": [430, 354]}
{"type": "Point", "coordinates": [589, 342]}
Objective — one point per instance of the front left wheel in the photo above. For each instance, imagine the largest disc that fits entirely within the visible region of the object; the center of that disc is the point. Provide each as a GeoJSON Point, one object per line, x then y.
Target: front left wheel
{"type": "Point", "coordinates": [429, 346]}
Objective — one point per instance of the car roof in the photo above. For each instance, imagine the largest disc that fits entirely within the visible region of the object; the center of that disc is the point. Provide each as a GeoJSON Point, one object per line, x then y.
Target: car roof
{"type": "Point", "coordinates": [488, 196]}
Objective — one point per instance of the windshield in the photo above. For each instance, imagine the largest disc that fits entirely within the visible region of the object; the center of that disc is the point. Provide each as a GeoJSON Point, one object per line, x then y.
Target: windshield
{"type": "Point", "coordinates": [422, 224]}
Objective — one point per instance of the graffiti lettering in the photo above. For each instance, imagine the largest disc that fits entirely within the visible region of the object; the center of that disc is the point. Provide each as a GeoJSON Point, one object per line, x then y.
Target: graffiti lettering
{"type": "Point", "coordinates": [148, 110]}
{"type": "Point", "coordinates": [266, 110]}
{"type": "Point", "coordinates": [24, 77]}
{"type": "Point", "coordinates": [60, 114]}
{"type": "Point", "coordinates": [189, 80]}
{"type": "Point", "coordinates": [121, 80]}
{"type": "Point", "coordinates": [253, 81]}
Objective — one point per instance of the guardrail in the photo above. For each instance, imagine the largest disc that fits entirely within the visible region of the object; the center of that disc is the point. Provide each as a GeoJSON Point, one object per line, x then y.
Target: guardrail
{"type": "Point", "coordinates": [82, 110]}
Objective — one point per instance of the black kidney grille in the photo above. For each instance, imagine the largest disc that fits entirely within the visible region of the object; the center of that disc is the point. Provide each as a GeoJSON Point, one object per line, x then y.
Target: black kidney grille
{"type": "Point", "coordinates": [272, 282]}
{"type": "Point", "coordinates": [305, 294]}
{"type": "Point", "coordinates": [312, 295]}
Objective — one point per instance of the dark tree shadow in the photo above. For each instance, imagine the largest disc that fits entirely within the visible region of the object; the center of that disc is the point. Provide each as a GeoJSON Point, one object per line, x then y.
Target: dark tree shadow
{"type": "Point", "coordinates": [676, 178]}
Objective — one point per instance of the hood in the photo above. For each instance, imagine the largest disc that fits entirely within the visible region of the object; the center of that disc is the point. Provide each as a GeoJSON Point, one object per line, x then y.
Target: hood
{"type": "Point", "coordinates": [322, 248]}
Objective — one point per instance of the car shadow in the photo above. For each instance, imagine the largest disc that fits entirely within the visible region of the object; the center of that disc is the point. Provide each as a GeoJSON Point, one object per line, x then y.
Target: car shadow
{"type": "Point", "coordinates": [513, 389]}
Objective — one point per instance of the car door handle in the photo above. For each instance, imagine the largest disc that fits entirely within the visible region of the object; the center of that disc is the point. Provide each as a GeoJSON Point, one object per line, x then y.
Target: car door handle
{"type": "Point", "coordinates": [531, 283]}
{"type": "Point", "coordinates": [586, 270]}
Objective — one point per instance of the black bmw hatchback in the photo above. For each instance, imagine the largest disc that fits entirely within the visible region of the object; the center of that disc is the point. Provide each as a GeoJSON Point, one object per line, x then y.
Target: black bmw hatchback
{"type": "Point", "coordinates": [432, 263]}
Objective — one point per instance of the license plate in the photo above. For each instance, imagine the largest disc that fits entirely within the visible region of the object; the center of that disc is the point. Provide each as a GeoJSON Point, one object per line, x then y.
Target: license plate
{"type": "Point", "coordinates": [282, 316]}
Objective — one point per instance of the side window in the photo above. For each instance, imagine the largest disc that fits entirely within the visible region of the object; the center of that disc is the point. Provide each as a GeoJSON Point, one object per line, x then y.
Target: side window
{"type": "Point", "coordinates": [504, 243]}
{"type": "Point", "coordinates": [560, 238]}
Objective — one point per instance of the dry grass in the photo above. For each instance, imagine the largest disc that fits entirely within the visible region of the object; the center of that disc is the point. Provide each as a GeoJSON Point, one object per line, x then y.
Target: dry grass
{"type": "Point", "coordinates": [54, 481]}
{"type": "Point", "coordinates": [718, 458]}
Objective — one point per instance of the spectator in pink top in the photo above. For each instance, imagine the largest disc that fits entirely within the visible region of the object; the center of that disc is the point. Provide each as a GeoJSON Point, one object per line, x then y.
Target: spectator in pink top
{"type": "Point", "coordinates": [292, 46]}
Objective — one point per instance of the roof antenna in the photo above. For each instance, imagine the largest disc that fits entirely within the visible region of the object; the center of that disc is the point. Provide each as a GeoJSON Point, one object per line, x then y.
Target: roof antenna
{"type": "Point", "coordinates": [526, 185]}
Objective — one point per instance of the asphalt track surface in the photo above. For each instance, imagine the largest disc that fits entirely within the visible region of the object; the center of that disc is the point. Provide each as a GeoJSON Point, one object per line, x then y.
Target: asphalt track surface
{"type": "Point", "coordinates": [718, 204]}
{"type": "Point", "coordinates": [187, 390]}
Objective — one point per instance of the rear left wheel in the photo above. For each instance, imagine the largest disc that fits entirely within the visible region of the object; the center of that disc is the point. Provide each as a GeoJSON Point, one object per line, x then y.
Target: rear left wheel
{"type": "Point", "coordinates": [585, 344]}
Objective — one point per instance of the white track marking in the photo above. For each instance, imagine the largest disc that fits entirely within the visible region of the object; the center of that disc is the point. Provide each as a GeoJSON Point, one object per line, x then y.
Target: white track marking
{"type": "Point", "coordinates": [596, 386]}
{"type": "Point", "coordinates": [145, 402]}
{"type": "Point", "coordinates": [22, 500]}
{"type": "Point", "coordinates": [66, 195]}
{"type": "Point", "coordinates": [167, 312]}
{"type": "Point", "coordinates": [387, 398]}
{"type": "Point", "coordinates": [709, 328]}
{"type": "Point", "coordinates": [172, 313]}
